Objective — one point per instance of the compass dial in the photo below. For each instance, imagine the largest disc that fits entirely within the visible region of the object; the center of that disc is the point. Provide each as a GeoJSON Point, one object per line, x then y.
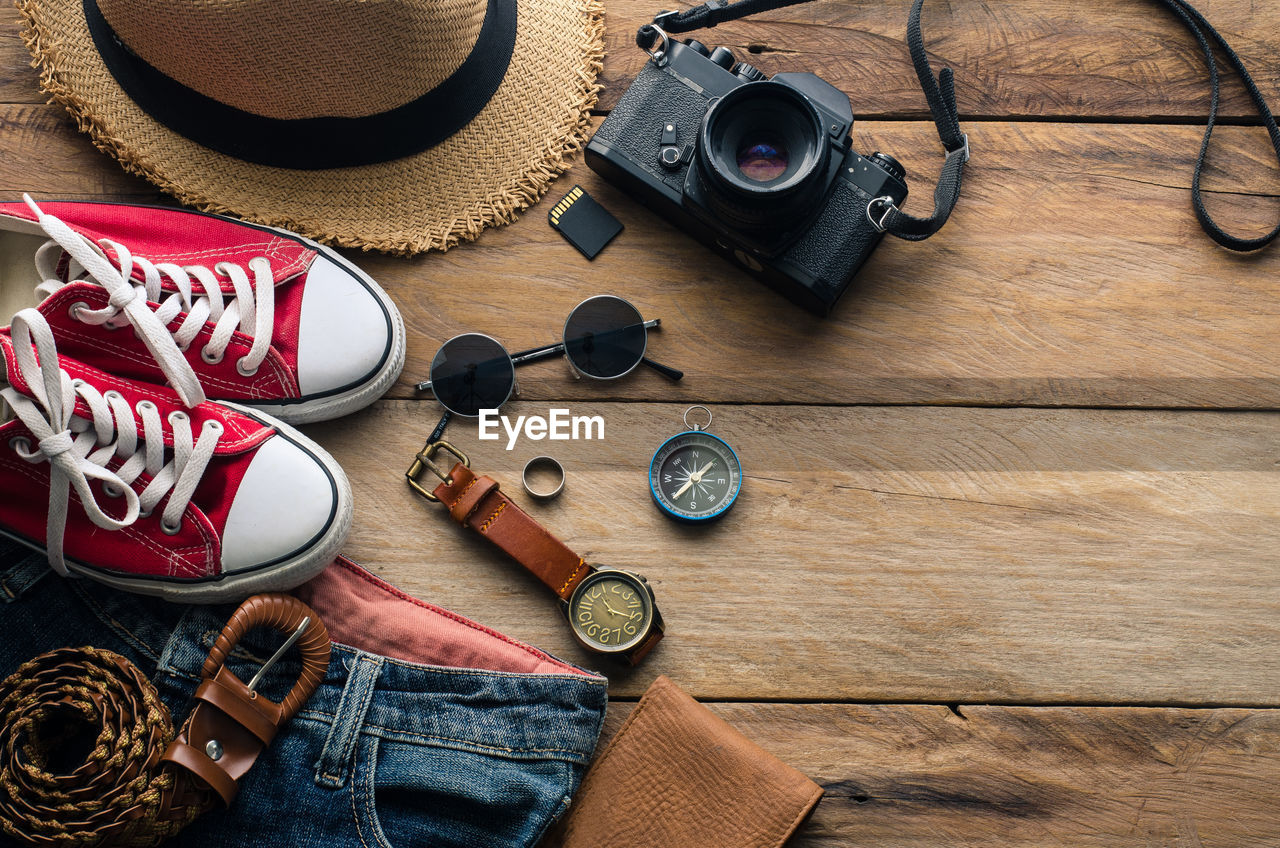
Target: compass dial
{"type": "Point", "coordinates": [695, 476]}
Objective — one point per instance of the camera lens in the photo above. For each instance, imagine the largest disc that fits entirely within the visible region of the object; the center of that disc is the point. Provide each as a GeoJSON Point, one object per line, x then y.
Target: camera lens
{"type": "Point", "coordinates": [763, 160]}
{"type": "Point", "coordinates": [762, 155]}
{"type": "Point", "coordinates": [472, 372]}
{"type": "Point", "coordinates": [605, 337]}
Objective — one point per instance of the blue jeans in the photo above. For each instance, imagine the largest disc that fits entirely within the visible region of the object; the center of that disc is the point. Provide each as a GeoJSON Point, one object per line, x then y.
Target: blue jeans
{"type": "Point", "coordinates": [400, 746]}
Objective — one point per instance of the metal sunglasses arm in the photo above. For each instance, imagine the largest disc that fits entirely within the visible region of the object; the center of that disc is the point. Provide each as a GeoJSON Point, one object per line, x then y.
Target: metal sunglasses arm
{"type": "Point", "coordinates": [536, 354]}
{"type": "Point", "coordinates": [665, 370]}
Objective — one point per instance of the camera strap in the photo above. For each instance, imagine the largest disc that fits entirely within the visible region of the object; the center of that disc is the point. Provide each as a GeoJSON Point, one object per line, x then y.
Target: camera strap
{"type": "Point", "coordinates": [939, 91]}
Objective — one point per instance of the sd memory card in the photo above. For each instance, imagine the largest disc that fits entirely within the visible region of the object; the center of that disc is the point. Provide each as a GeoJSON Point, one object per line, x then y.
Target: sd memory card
{"type": "Point", "coordinates": [586, 224]}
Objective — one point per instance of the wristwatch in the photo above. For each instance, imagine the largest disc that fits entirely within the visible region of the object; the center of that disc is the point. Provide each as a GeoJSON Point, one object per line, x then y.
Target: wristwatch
{"type": "Point", "coordinates": [610, 610]}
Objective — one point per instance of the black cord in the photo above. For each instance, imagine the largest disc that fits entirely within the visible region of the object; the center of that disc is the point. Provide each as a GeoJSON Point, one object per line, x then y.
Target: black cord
{"type": "Point", "coordinates": [939, 91]}
{"type": "Point", "coordinates": [1196, 22]}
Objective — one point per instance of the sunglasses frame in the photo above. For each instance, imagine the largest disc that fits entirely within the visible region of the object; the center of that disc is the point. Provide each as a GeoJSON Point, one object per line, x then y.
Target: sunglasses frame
{"type": "Point", "coordinates": [558, 348]}
{"type": "Point", "coordinates": [578, 373]}
{"type": "Point", "coordinates": [515, 383]}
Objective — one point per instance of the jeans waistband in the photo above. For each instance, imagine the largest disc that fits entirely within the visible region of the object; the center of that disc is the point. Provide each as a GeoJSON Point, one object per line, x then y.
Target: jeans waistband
{"type": "Point", "coordinates": [417, 674]}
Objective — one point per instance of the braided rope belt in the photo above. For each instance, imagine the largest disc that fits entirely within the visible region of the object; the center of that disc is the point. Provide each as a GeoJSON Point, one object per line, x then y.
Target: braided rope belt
{"type": "Point", "coordinates": [89, 755]}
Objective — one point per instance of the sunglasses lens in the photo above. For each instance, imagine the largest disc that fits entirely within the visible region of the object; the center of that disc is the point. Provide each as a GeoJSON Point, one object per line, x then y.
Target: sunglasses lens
{"type": "Point", "coordinates": [604, 337]}
{"type": "Point", "coordinates": [471, 373]}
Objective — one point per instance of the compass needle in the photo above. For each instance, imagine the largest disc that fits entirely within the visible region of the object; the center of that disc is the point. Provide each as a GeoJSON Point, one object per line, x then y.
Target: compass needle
{"type": "Point", "coordinates": [695, 476]}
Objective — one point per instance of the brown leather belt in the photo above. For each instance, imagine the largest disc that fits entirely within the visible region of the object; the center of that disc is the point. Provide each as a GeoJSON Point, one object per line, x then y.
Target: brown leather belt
{"type": "Point", "coordinates": [88, 754]}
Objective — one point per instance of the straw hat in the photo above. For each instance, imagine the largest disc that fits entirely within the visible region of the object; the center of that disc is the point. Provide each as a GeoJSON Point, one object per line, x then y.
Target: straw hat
{"type": "Point", "coordinates": [396, 125]}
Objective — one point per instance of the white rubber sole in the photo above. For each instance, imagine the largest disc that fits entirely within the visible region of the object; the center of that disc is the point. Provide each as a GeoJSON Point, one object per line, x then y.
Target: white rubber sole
{"type": "Point", "coordinates": [357, 397]}
{"type": "Point", "coordinates": [277, 577]}
{"type": "Point", "coordinates": [14, 296]}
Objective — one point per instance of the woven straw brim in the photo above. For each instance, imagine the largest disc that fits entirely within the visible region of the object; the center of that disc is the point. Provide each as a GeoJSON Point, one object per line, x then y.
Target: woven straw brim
{"type": "Point", "coordinates": [499, 163]}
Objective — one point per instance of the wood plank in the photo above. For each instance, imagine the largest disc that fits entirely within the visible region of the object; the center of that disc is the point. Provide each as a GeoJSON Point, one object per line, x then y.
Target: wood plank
{"type": "Point", "coordinates": [1048, 59]}
{"type": "Point", "coordinates": [1051, 58]}
{"type": "Point", "coordinates": [1002, 777]}
{"type": "Point", "coordinates": [42, 153]}
{"type": "Point", "coordinates": [1073, 273]}
{"type": "Point", "coordinates": [19, 82]}
{"type": "Point", "coordinates": [887, 554]}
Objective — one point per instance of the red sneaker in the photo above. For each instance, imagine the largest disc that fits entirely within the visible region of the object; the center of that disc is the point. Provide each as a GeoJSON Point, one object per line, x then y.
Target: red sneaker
{"type": "Point", "coordinates": [219, 308]}
{"type": "Point", "coordinates": [209, 504]}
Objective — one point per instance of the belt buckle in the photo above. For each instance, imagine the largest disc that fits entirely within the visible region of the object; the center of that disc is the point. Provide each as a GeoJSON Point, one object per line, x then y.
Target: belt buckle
{"type": "Point", "coordinates": [232, 722]}
{"type": "Point", "coordinates": [423, 461]}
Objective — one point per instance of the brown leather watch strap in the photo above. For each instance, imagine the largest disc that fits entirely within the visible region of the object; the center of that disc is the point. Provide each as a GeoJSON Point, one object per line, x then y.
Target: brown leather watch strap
{"type": "Point", "coordinates": [639, 652]}
{"type": "Point", "coordinates": [478, 503]}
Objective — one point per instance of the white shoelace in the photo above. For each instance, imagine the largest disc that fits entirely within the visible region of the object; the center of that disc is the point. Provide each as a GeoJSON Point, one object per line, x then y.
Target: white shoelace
{"type": "Point", "coordinates": [78, 449]}
{"type": "Point", "coordinates": [252, 310]}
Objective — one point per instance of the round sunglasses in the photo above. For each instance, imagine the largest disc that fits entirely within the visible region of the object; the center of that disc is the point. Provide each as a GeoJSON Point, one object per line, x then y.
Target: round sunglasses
{"type": "Point", "coordinates": [605, 338]}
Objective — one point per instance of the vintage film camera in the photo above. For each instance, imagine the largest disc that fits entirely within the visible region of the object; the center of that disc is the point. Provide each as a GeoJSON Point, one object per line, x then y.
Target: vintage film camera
{"type": "Point", "coordinates": [761, 170]}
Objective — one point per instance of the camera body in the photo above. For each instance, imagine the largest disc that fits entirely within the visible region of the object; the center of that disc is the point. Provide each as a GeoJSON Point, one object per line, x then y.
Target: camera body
{"type": "Point", "coordinates": [760, 170]}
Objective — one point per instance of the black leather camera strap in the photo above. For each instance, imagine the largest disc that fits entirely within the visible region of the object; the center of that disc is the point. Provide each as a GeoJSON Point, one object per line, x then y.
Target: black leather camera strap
{"type": "Point", "coordinates": [939, 91]}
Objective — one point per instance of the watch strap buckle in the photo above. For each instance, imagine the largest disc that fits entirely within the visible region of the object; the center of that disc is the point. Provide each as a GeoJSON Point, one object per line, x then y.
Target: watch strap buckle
{"type": "Point", "coordinates": [424, 461]}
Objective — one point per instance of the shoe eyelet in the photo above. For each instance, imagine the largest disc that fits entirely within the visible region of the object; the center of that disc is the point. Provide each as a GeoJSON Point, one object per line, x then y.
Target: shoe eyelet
{"type": "Point", "coordinates": [20, 445]}
{"type": "Point", "coordinates": [74, 310]}
{"type": "Point", "coordinates": [111, 490]}
{"type": "Point", "coordinates": [211, 358]}
{"type": "Point", "coordinates": [144, 513]}
{"type": "Point", "coordinates": [262, 260]}
{"type": "Point", "coordinates": [145, 406]}
{"type": "Point", "coordinates": [170, 530]}
{"type": "Point", "coordinates": [213, 426]}
{"type": "Point", "coordinates": [242, 371]}
{"type": "Point", "coordinates": [177, 415]}
{"type": "Point", "coordinates": [112, 394]}
{"type": "Point", "coordinates": [77, 383]}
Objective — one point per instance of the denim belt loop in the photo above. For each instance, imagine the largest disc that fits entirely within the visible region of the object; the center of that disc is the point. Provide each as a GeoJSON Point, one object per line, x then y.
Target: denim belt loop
{"type": "Point", "coordinates": [21, 577]}
{"type": "Point", "coordinates": [340, 746]}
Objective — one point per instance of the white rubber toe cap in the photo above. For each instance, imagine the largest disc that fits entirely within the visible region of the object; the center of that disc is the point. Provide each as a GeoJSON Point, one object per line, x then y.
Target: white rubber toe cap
{"type": "Point", "coordinates": [285, 502]}
{"type": "Point", "coordinates": [344, 334]}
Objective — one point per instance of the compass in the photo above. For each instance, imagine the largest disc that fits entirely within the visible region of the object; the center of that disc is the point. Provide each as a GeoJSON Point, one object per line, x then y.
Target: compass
{"type": "Point", "coordinates": [695, 476]}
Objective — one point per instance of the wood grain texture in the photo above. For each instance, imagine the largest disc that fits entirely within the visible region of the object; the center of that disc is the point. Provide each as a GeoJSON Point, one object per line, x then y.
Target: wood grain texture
{"type": "Point", "coordinates": [1072, 273]}
{"type": "Point", "coordinates": [920, 554]}
{"type": "Point", "coordinates": [999, 777]}
{"type": "Point", "coordinates": [900, 554]}
{"type": "Point", "coordinates": [1047, 58]}
{"type": "Point", "coordinates": [1012, 58]}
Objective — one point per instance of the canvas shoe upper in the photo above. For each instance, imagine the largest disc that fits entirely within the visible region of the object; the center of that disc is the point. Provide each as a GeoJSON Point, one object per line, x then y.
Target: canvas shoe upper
{"type": "Point", "coordinates": [119, 482]}
{"type": "Point", "coordinates": [218, 308]}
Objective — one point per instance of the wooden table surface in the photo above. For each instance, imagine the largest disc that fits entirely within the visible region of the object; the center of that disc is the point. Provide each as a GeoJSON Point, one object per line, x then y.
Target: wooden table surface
{"type": "Point", "coordinates": [1006, 566]}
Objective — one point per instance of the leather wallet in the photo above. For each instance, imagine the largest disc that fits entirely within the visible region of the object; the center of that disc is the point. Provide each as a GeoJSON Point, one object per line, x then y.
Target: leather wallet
{"type": "Point", "coordinates": [677, 776]}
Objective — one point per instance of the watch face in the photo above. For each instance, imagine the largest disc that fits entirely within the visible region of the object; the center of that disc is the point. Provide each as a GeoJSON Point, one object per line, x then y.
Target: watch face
{"type": "Point", "coordinates": [611, 611]}
{"type": "Point", "coordinates": [695, 476]}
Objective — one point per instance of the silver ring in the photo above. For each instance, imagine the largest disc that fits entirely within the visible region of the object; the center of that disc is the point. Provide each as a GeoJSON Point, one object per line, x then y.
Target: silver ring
{"type": "Point", "coordinates": [693, 426]}
{"type": "Point", "coordinates": [543, 462]}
